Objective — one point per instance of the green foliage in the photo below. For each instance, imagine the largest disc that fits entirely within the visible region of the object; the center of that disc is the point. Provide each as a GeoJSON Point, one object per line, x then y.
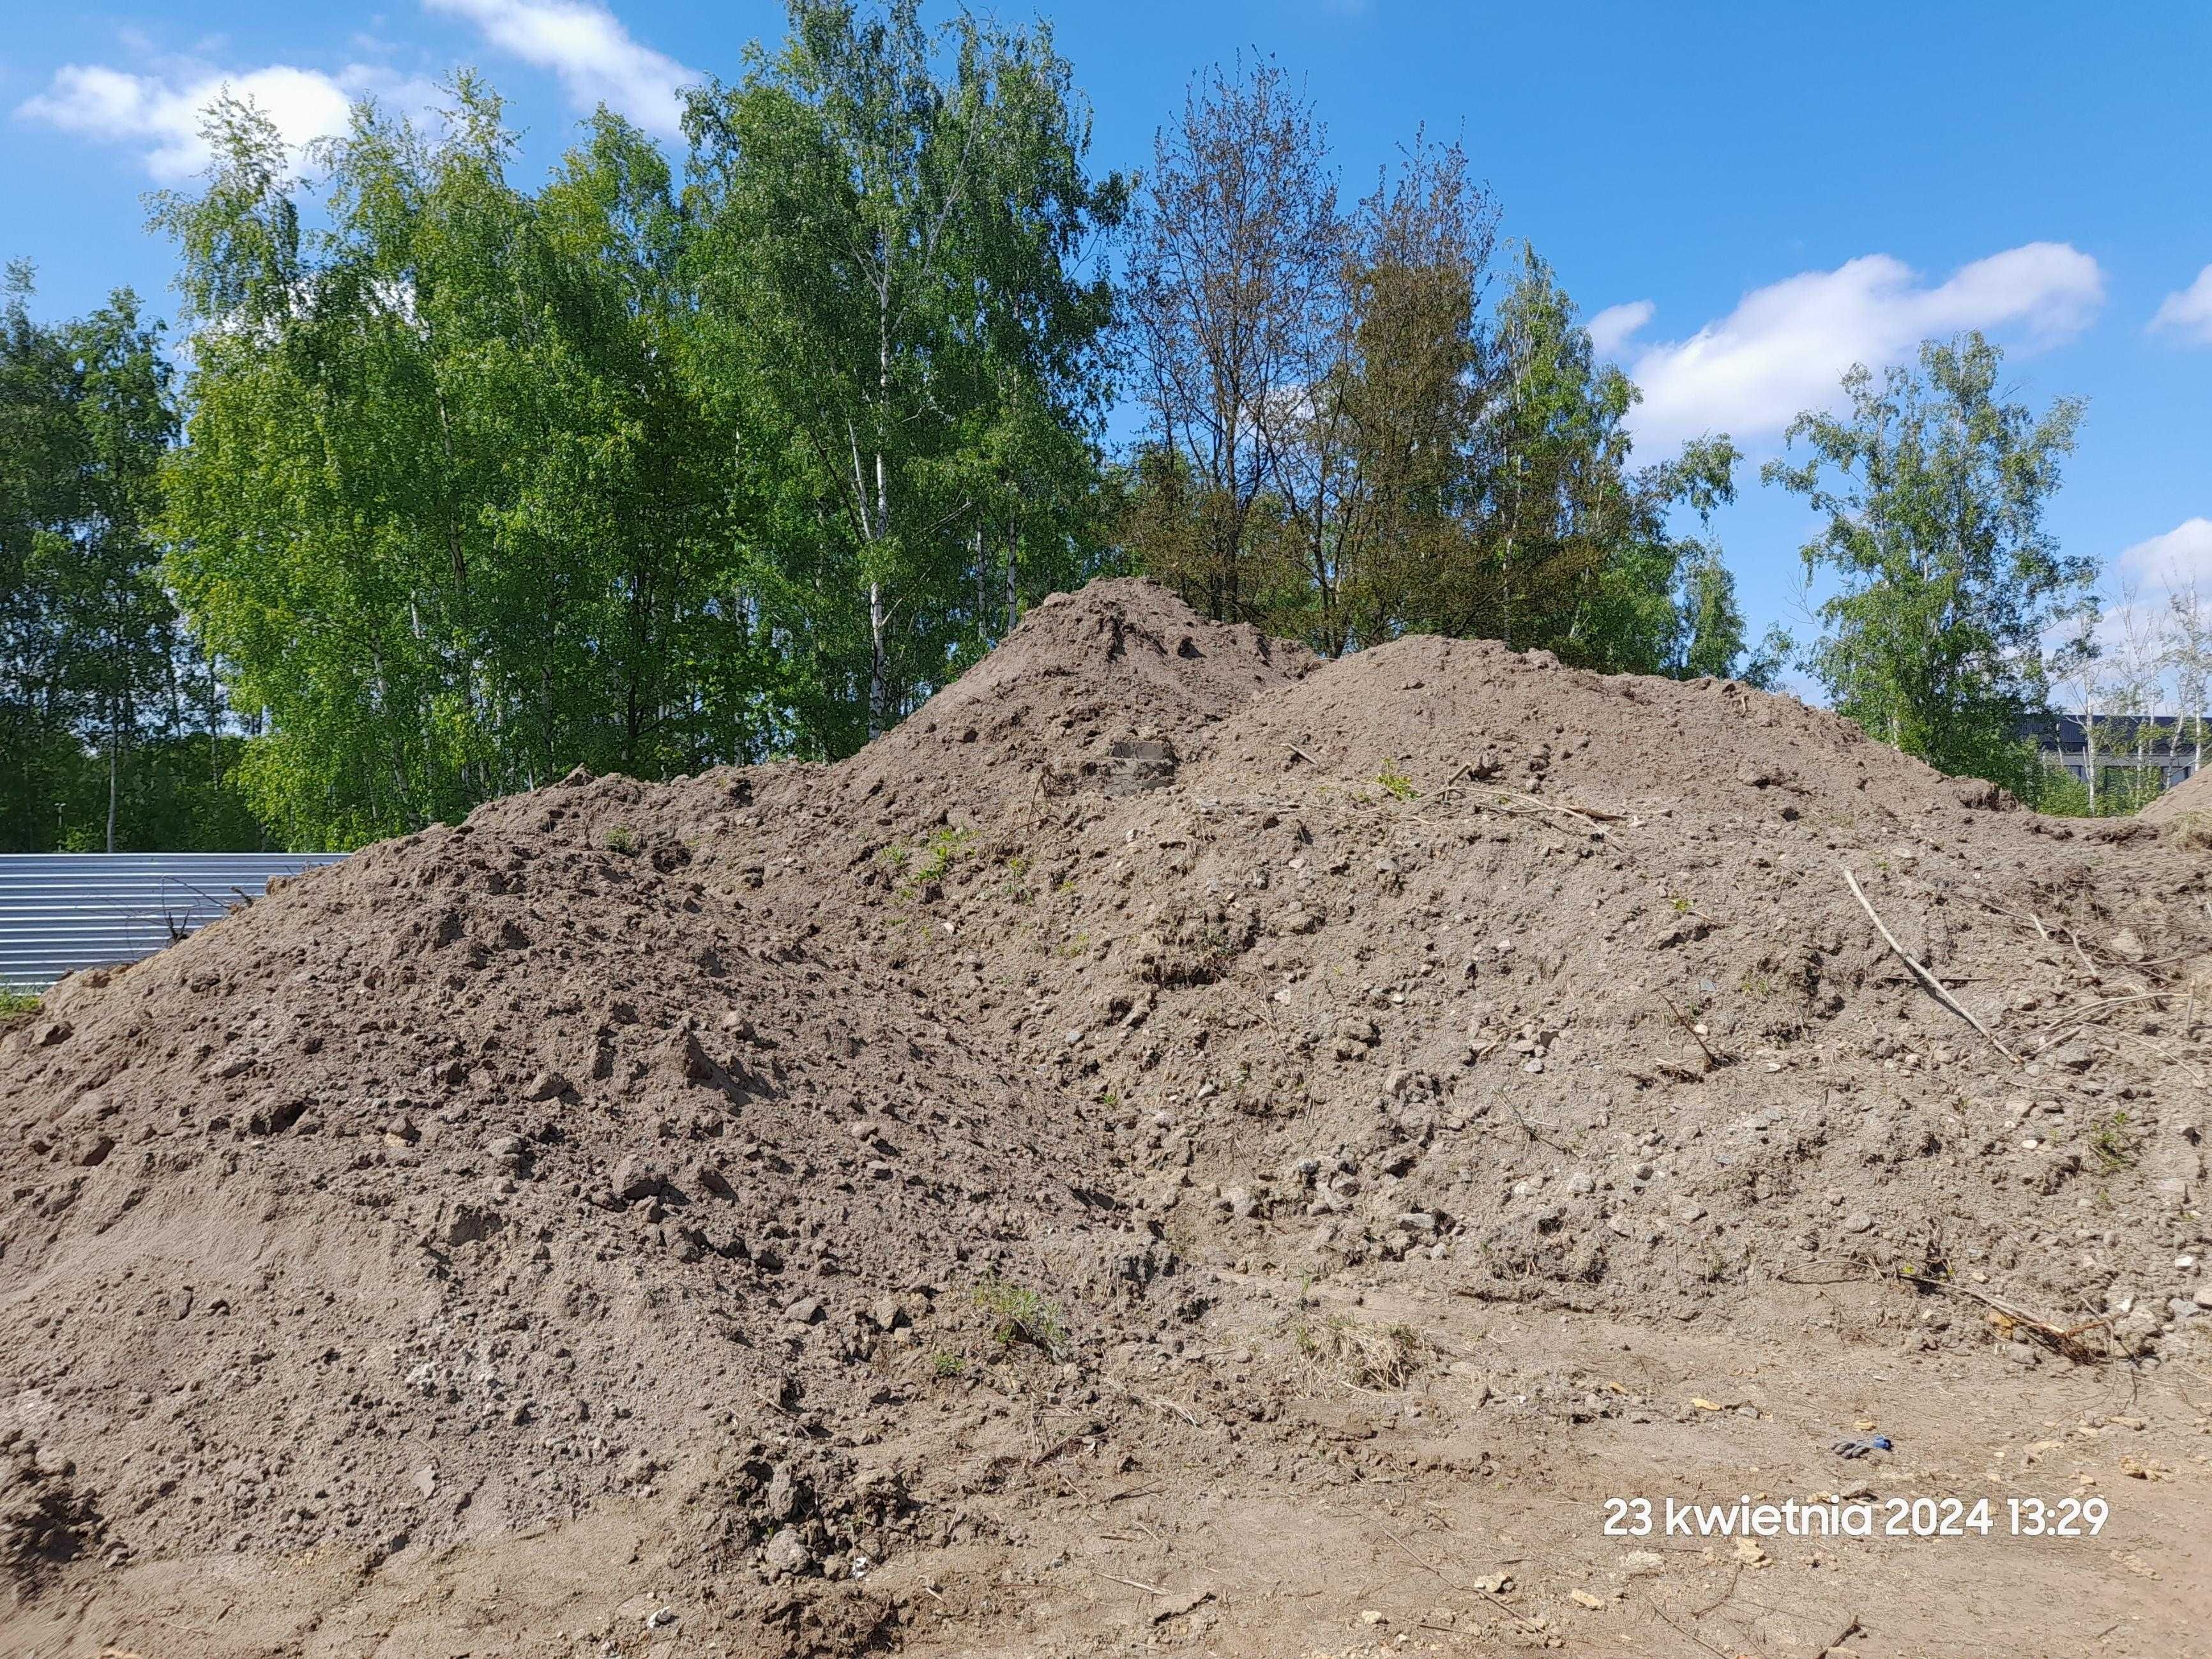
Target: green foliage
{"type": "Point", "coordinates": [1021, 1315]}
{"type": "Point", "coordinates": [14, 1005]}
{"type": "Point", "coordinates": [485, 482]}
{"type": "Point", "coordinates": [446, 514]}
{"type": "Point", "coordinates": [1932, 489]}
{"type": "Point", "coordinates": [888, 223]}
{"type": "Point", "coordinates": [2113, 1142]}
{"type": "Point", "coordinates": [1396, 781]}
{"type": "Point", "coordinates": [945, 1364]}
{"type": "Point", "coordinates": [1343, 444]}
{"type": "Point", "coordinates": [944, 847]}
{"type": "Point", "coordinates": [112, 730]}
{"type": "Point", "coordinates": [621, 839]}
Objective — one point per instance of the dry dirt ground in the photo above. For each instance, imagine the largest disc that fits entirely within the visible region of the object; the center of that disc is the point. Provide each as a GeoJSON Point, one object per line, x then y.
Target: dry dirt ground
{"type": "Point", "coordinates": [1178, 1147]}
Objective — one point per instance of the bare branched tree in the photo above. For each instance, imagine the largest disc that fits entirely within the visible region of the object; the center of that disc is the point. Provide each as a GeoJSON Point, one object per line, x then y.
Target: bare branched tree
{"type": "Point", "coordinates": [1234, 281]}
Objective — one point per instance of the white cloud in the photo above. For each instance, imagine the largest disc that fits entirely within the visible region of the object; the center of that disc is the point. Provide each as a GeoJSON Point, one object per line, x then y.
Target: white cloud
{"type": "Point", "coordinates": [586, 47]}
{"type": "Point", "coordinates": [2188, 311]}
{"type": "Point", "coordinates": [1610, 329]}
{"type": "Point", "coordinates": [162, 113]}
{"type": "Point", "coordinates": [2183, 555]}
{"type": "Point", "coordinates": [1785, 347]}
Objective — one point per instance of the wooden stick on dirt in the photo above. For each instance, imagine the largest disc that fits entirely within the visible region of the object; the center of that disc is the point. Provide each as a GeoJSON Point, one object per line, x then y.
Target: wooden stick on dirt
{"type": "Point", "coordinates": [1150, 1590]}
{"type": "Point", "coordinates": [1844, 1635]}
{"type": "Point", "coordinates": [1934, 985]}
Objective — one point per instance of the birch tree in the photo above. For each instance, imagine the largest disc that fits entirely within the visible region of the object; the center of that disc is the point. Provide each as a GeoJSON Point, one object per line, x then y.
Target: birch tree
{"type": "Point", "coordinates": [891, 224]}
{"type": "Point", "coordinates": [1932, 487]}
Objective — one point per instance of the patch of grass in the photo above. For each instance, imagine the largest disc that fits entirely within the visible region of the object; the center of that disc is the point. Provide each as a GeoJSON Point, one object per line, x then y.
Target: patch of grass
{"type": "Point", "coordinates": [1022, 1315]}
{"type": "Point", "coordinates": [13, 1003]}
{"type": "Point", "coordinates": [1757, 985]}
{"type": "Point", "coordinates": [893, 858]}
{"type": "Point", "coordinates": [944, 847]}
{"type": "Point", "coordinates": [1396, 781]}
{"type": "Point", "coordinates": [2112, 1143]}
{"type": "Point", "coordinates": [1680, 902]}
{"type": "Point", "coordinates": [944, 1362]}
{"type": "Point", "coordinates": [621, 839]}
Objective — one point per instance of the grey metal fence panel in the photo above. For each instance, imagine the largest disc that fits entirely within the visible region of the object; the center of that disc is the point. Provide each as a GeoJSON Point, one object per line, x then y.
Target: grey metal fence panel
{"type": "Point", "coordinates": [63, 911]}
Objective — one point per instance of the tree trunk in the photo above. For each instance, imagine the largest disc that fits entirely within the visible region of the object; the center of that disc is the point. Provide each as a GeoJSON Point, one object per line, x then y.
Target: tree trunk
{"type": "Point", "coordinates": [982, 591]}
{"type": "Point", "coordinates": [879, 690]}
{"type": "Point", "coordinates": [115, 768]}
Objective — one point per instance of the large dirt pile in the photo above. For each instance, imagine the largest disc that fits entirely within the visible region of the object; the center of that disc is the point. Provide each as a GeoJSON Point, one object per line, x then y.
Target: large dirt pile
{"type": "Point", "coordinates": [711, 1134]}
{"type": "Point", "coordinates": [2190, 799]}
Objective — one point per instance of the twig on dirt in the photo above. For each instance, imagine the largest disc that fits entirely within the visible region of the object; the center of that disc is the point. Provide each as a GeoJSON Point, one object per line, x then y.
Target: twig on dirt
{"type": "Point", "coordinates": [1423, 1566]}
{"type": "Point", "coordinates": [2061, 1339]}
{"type": "Point", "coordinates": [1690, 1635]}
{"type": "Point", "coordinates": [1594, 816]}
{"type": "Point", "coordinates": [1151, 1590]}
{"type": "Point", "coordinates": [1177, 1410]}
{"type": "Point", "coordinates": [1733, 1578]}
{"type": "Point", "coordinates": [2080, 1015]}
{"type": "Point", "coordinates": [1303, 756]}
{"type": "Point", "coordinates": [1689, 1025]}
{"type": "Point", "coordinates": [1852, 1628]}
{"type": "Point", "coordinates": [1934, 985]}
{"type": "Point", "coordinates": [773, 1403]}
{"type": "Point", "coordinates": [1529, 1130]}
{"type": "Point", "coordinates": [1503, 1605]}
{"type": "Point", "coordinates": [2089, 967]}
{"type": "Point", "coordinates": [1785, 1277]}
{"type": "Point", "coordinates": [2099, 1033]}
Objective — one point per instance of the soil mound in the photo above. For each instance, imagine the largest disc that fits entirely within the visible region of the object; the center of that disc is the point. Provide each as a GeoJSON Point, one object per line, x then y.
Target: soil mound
{"type": "Point", "coordinates": [831, 1150]}
{"type": "Point", "coordinates": [2190, 799]}
{"type": "Point", "coordinates": [484, 1176]}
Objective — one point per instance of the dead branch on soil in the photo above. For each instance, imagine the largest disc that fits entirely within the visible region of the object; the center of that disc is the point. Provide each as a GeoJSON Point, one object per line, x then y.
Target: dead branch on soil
{"type": "Point", "coordinates": [1695, 1036]}
{"type": "Point", "coordinates": [1512, 802]}
{"type": "Point", "coordinates": [2101, 1034]}
{"type": "Point", "coordinates": [1499, 1601]}
{"type": "Point", "coordinates": [2082, 1016]}
{"type": "Point", "coordinates": [1935, 985]}
{"type": "Point", "coordinates": [1689, 1635]}
{"type": "Point", "coordinates": [2088, 967]}
{"type": "Point", "coordinates": [2062, 1339]}
{"type": "Point", "coordinates": [1734, 1577]}
{"type": "Point", "coordinates": [1150, 1590]}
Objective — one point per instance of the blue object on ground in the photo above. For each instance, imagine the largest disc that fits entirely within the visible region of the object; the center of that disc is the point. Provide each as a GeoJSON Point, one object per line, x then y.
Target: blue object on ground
{"type": "Point", "coordinates": [1859, 1446]}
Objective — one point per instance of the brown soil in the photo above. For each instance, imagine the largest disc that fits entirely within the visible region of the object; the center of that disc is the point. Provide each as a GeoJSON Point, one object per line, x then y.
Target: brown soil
{"type": "Point", "coordinates": [1177, 1146]}
{"type": "Point", "coordinates": [2190, 799]}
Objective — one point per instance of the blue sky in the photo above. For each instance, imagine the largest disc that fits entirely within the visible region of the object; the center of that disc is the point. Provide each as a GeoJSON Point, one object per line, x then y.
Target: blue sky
{"type": "Point", "coordinates": [1744, 198]}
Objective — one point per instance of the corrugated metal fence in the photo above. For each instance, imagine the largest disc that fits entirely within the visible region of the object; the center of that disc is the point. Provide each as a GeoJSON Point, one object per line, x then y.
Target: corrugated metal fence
{"type": "Point", "coordinates": [63, 911]}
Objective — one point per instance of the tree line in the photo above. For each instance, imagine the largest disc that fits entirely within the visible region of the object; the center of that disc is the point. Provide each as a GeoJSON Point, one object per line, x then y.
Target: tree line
{"type": "Point", "coordinates": [459, 483]}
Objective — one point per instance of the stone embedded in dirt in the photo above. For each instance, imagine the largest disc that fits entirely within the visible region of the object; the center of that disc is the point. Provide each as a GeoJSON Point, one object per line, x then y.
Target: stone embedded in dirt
{"type": "Point", "coordinates": [637, 1177]}
{"type": "Point", "coordinates": [786, 1552]}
